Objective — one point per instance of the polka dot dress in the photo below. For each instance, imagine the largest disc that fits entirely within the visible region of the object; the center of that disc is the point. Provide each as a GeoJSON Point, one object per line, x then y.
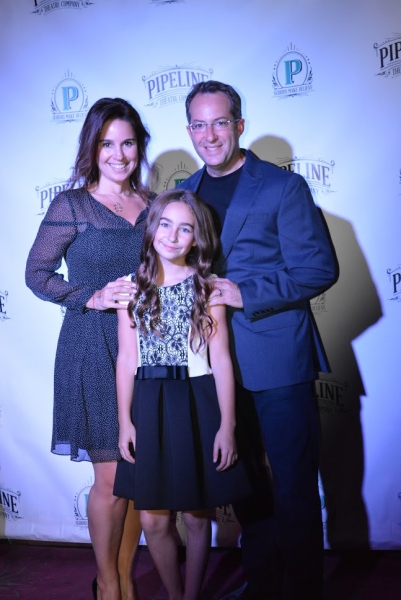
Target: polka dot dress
{"type": "Point", "coordinates": [98, 246]}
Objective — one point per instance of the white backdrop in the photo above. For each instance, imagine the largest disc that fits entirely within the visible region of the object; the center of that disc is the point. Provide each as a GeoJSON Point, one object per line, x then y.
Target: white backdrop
{"type": "Point", "coordinates": [321, 87]}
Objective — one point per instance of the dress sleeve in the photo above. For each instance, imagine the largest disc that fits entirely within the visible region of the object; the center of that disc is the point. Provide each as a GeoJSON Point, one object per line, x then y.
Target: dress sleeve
{"type": "Point", "coordinates": [57, 232]}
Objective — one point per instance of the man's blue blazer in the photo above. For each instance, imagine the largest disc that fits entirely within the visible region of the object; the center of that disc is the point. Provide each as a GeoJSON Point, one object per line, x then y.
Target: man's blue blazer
{"type": "Point", "coordinates": [276, 248]}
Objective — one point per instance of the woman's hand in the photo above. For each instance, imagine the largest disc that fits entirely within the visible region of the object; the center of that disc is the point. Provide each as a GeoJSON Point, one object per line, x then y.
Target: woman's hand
{"type": "Point", "coordinates": [127, 442]}
{"type": "Point", "coordinates": [225, 447]}
{"type": "Point", "coordinates": [115, 294]}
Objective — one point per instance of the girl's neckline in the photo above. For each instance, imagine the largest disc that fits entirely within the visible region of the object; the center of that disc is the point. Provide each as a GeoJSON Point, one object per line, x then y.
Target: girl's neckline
{"type": "Point", "coordinates": [178, 282]}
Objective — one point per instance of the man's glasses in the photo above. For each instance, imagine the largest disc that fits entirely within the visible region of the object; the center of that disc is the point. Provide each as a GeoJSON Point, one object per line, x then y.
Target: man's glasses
{"type": "Point", "coordinates": [219, 125]}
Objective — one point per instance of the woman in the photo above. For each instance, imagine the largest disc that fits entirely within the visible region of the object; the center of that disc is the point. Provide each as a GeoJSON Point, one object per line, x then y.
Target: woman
{"type": "Point", "coordinates": [98, 230]}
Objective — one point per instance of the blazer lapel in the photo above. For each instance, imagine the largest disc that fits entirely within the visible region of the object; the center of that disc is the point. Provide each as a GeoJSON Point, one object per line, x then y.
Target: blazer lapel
{"type": "Point", "coordinates": [240, 205]}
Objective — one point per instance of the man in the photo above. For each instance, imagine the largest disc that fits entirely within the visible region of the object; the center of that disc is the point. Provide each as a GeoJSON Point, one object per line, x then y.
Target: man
{"type": "Point", "coordinates": [276, 256]}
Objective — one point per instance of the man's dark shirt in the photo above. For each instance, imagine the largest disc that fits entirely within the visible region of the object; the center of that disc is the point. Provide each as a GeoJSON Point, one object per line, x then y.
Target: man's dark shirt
{"type": "Point", "coordinates": [217, 192]}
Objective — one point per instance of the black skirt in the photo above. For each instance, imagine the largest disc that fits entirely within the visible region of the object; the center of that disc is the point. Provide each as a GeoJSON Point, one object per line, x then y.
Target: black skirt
{"type": "Point", "coordinates": [176, 423]}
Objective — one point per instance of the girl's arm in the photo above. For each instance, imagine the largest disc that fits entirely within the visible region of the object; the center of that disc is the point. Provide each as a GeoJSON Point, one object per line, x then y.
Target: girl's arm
{"type": "Point", "coordinates": [220, 360]}
{"type": "Point", "coordinates": [127, 360]}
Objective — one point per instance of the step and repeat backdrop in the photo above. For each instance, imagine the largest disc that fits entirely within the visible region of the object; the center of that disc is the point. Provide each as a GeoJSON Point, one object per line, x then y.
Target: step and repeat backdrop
{"type": "Point", "coordinates": [321, 89]}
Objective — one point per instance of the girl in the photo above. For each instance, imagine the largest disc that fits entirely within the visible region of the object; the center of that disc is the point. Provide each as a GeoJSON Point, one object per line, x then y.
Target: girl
{"type": "Point", "coordinates": [179, 448]}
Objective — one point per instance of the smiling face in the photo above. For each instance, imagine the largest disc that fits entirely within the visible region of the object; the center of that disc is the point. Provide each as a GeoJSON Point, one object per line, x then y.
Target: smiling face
{"type": "Point", "coordinates": [174, 236]}
{"type": "Point", "coordinates": [219, 150]}
{"type": "Point", "coordinates": [117, 156]}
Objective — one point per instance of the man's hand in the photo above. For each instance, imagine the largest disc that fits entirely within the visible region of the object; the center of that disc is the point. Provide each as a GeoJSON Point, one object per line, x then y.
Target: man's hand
{"type": "Point", "coordinates": [225, 292]}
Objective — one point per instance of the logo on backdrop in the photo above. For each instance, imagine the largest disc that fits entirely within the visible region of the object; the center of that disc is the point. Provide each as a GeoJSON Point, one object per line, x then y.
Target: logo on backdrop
{"type": "Point", "coordinates": [47, 193]}
{"type": "Point", "coordinates": [180, 174]}
{"type": "Point", "coordinates": [394, 276]}
{"type": "Point", "coordinates": [170, 85]}
{"type": "Point", "coordinates": [389, 56]}
{"type": "Point", "coordinates": [9, 503]}
{"type": "Point", "coordinates": [69, 101]}
{"type": "Point", "coordinates": [3, 306]}
{"type": "Point", "coordinates": [317, 172]}
{"type": "Point", "coordinates": [225, 515]}
{"type": "Point", "coordinates": [44, 7]}
{"type": "Point", "coordinates": [319, 305]}
{"type": "Point", "coordinates": [331, 394]}
{"type": "Point", "coordinates": [81, 506]}
{"type": "Point", "coordinates": [292, 74]}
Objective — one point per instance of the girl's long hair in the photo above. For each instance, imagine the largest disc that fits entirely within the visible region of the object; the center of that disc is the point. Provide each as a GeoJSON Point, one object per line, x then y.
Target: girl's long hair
{"type": "Point", "coordinates": [200, 258]}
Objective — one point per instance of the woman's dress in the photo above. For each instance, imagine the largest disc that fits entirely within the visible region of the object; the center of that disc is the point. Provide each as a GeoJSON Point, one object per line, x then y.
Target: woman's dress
{"type": "Point", "coordinates": [176, 417]}
{"type": "Point", "coordinates": [98, 247]}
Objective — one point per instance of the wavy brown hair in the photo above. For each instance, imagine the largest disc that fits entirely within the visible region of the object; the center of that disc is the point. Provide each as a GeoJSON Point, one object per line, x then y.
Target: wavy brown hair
{"type": "Point", "coordinates": [200, 258]}
{"type": "Point", "coordinates": [85, 171]}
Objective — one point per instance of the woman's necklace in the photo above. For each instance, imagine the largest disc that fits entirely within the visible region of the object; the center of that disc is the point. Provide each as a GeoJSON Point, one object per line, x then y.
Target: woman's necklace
{"type": "Point", "coordinates": [117, 206]}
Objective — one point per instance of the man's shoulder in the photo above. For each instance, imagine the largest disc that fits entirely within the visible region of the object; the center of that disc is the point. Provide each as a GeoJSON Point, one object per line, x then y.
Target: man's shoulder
{"type": "Point", "coordinates": [264, 165]}
{"type": "Point", "coordinates": [263, 168]}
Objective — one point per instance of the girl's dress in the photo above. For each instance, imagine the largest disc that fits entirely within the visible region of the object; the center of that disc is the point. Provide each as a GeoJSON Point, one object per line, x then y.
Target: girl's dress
{"type": "Point", "coordinates": [176, 414]}
{"type": "Point", "coordinates": [98, 246]}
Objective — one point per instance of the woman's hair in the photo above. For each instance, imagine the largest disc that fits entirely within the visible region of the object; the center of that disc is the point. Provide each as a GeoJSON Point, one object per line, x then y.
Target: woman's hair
{"type": "Point", "coordinates": [200, 258]}
{"type": "Point", "coordinates": [85, 171]}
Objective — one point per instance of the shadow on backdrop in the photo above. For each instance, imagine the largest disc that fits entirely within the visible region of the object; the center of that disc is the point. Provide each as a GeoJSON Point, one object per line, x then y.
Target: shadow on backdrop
{"type": "Point", "coordinates": [342, 314]}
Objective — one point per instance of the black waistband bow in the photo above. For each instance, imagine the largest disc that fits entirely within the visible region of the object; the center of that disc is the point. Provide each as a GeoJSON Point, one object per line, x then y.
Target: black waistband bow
{"type": "Point", "coordinates": [162, 372]}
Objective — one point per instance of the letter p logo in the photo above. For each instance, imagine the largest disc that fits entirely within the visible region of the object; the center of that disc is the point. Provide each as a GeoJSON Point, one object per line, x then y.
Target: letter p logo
{"type": "Point", "coordinates": [70, 94]}
{"type": "Point", "coordinates": [292, 67]}
{"type": "Point", "coordinates": [396, 281]}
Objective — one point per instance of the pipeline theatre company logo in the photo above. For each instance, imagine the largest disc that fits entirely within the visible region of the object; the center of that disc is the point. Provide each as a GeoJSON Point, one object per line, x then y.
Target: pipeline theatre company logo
{"type": "Point", "coordinates": [169, 85]}
{"type": "Point", "coordinates": [331, 394]}
{"type": "Point", "coordinates": [47, 193]}
{"type": "Point", "coordinates": [9, 503]}
{"type": "Point", "coordinates": [317, 172]}
{"type": "Point", "coordinates": [81, 506]}
{"type": "Point", "coordinates": [224, 515]}
{"type": "Point", "coordinates": [69, 101]}
{"type": "Point", "coordinates": [3, 306]}
{"type": "Point", "coordinates": [389, 56]}
{"type": "Point", "coordinates": [394, 276]}
{"type": "Point", "coordinates": [319, 305]}
{"type": "Point", "coordinates": [44, 7]}
{"type": "Point", "coordinates": [292, 74]}
{"type": "Point", "coordinates": [179, 174]}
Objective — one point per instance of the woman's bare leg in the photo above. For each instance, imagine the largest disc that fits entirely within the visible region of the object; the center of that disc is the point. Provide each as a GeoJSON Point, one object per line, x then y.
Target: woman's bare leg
{"type": "Point", "coordinates": [164, 551]}
{"type": "Point", "coordinates": [128, 547]}
{"type": "Point", "coordinates": [198, 531]}
{"type": "Point", "coordinates": [106, 514]}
